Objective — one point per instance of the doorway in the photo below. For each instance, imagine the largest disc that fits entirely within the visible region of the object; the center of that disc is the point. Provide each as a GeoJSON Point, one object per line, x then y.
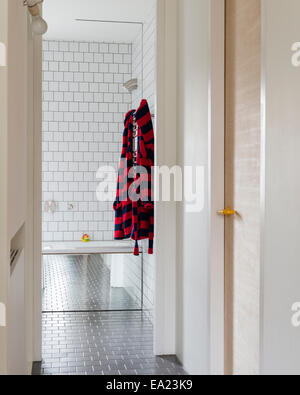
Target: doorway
{"type": "Point", "coordinates": [97, 318]}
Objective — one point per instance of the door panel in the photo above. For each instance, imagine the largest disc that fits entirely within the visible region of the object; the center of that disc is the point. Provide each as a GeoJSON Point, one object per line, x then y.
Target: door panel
{"type": "Point", "coordinates": [242, 185]}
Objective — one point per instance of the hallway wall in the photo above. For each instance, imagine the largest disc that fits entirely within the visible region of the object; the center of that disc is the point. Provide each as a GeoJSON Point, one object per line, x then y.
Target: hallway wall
{"type": "Point", "coordinates": [280, 333]}
{"type": "Point", "coordinates": [16, 194]}
{"type": "Point", "coordinates": [193, 149]}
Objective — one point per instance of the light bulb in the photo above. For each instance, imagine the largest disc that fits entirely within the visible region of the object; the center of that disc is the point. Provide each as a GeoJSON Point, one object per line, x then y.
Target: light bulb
{"type": "Point", "coordinates": [39, 25]}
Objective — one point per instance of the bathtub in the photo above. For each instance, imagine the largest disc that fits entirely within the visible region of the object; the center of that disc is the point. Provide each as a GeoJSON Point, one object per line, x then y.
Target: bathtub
{"type": "Point", "coordinates": [93, 247]}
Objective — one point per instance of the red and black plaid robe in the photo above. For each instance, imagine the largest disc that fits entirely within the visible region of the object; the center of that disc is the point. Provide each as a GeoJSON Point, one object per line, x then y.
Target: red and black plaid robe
{"type": "Point", "coordinates": [135, 219]}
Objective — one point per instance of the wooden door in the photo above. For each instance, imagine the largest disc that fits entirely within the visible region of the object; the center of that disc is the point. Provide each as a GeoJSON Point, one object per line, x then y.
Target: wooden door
{"type": "Point", "coordinates": [242, 185]}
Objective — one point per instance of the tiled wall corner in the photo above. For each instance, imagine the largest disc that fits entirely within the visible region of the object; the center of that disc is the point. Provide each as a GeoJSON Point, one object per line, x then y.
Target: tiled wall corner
{"type": "Point", "coordinates": [143, 67]}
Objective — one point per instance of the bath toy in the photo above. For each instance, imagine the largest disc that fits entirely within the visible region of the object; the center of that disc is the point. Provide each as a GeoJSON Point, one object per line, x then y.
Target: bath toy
{"type": "Point", "coordinates": [85, 238]}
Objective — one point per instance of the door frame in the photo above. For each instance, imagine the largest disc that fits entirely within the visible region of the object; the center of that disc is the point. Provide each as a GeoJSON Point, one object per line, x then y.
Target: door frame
{"type": "Point", "coordinates": [217, 187]}
{"type": "Point", "coordinates": [35, 192]}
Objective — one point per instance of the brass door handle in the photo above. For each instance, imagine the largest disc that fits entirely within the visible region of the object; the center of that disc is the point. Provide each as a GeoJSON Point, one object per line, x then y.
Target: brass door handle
{"type": "Point", "coordinates": [227, 212]}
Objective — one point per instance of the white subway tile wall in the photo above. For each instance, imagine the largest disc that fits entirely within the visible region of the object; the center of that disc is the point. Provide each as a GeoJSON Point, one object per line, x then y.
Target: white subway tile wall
{"type": "Point", "coordinates": [84, 104]}
{"type": "Point", "coordinates": [143, 67]}
{"type": "Point", "coordinates": [133, 278]}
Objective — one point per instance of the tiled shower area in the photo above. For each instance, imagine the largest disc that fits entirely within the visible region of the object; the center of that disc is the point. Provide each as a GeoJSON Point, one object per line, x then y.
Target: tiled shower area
{"type": "Point", "coordinates": [97, 302]}
{"type": "Point", "coordinates": [84, 104]}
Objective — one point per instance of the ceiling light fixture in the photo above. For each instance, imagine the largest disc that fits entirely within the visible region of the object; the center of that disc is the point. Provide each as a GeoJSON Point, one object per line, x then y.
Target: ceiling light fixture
{"type": "Point", "coordinates": [38, 25]}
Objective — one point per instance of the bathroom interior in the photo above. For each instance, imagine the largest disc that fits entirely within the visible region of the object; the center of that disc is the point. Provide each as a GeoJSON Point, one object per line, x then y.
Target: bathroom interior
{"type": "Point", "coordinates": [84, 106]}
{"type": "Point", "coordinates": [98, 64]}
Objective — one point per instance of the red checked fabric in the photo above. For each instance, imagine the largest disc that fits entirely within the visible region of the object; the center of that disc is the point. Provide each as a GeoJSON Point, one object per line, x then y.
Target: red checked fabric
{"type": "Point", "coordinates": [135, 219]}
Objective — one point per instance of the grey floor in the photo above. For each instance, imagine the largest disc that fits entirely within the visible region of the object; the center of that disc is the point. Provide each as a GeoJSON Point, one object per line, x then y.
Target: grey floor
{"type": "Point", "coordinates": [103, 343]}
{"type": "Point", "coordinates": [89, 342]}
{"type": "Point", "coordinates": [81, 283]}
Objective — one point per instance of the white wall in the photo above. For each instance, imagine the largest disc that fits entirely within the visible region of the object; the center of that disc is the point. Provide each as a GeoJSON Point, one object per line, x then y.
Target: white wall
{"type": "Point", "coordinates": [16, 336]}
{"type": "Point", "coordinates": [143, 68]}
{"type": "Point", "coordinates": [280, 341]}
{"type": "Point", "coordinates": [193, 150]}
{"type": "Point", "coordinates": [165, 212]}
{"type": "Point", "coordinates": [137, 67]}
{"type": "Point", "coordinates": [13, 169]}
{"type": "Point", "coordinates": [149, 93]}
{"type": "Point", "coordinates": [17, 113]}
{"type": "Point", "coordinates": [84, 104]}
{"type": "Point", "coordinates": [132, 274]}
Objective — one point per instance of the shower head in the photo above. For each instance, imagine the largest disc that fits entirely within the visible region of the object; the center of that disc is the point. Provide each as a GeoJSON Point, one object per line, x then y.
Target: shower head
{"type": "Point", "coordinates": [131, 85]}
